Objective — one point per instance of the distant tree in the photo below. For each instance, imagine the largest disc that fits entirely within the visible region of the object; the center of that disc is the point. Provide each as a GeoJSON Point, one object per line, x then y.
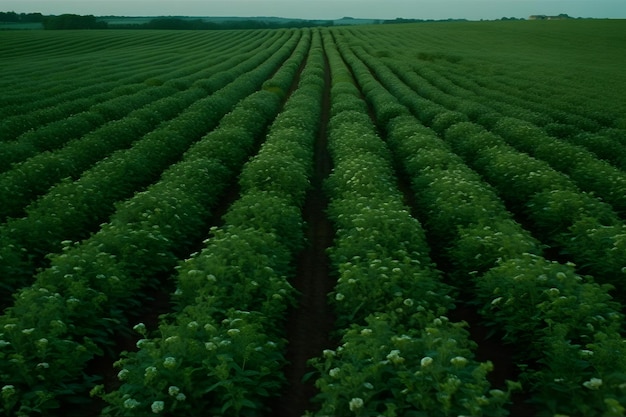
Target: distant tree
{"type": "Point", "coordinates": [9, 17]}
{"type": "Point", "coordinates": [72, 21]}
{"type": "Point", "coordinates": [31, 17]}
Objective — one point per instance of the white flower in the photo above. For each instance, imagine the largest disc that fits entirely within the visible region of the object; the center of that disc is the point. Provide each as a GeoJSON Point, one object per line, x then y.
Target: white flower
{"type": "Point", "coordinates": [334, 372]}
{"type": "Point", "coordinates": [328, 353]}
{"type": "Point", "coordinates": [497, 393]}
{"type": "Point", "coordinates": [121, 375]}
{"type": "Point", "coordinates": [140, 328]}
{"type": "Point", "coordinates": [496, 301]}
{"type": "Point", "coordinates": [157, 406]}
{"type": "Point", "coordinates": [356, 404]}
{"type": "Point", "coordinates": [150, 372]}
{"type": "Point", "coordinates": [233, 332]}
{"type": "Point", "coordinates": [43, 365]}
{"type": "Point", "coordinates": [131, 403]}
{"type": "Point", "coordinates": [368, 385]}
{"type": "Point", "coordinates": [28, 331]}
{"type": "Point", "coordinates": [4, 343]}
{"type": "Point", "coordinates": [426, 361]}
{"type": "Point", "coordinates": [586, 353]}
{"type": "Point", "coordinates": [210, 346]}
{"type": "Point", "coordinates": [8, 390]}
{"type": "Point", "coordinates": [394, 356]}
{"type": "Point", "coordinates": [169, 362]}
{"type": "Point", "coordinates": [554, 291]}
{"type": "Point", "coordinates": [593, 383]}
{"type": "Point", "coordinates": [458, 361]}
{"type": "Point", "coordinates": [561, 275]}
{"type": "Point", "coordinates": [339, 296]}
{"type": "Point", "coordinates": [408, 302]}
{"type": "Point", "coordinates": [366, 332]}
{"type": "Point", "coordinates": [181, 397]}
{"type": "Point", "coordinates": [192, 325]}
{"type": "Point", "coordinates": [173, 390]}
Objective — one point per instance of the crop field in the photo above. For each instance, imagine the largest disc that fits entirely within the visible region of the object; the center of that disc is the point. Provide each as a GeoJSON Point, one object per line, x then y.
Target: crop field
{"type": "Point", "coordinates": [398, 219]}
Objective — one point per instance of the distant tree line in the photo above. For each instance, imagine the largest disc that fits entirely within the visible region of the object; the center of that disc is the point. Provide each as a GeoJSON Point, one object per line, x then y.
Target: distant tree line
{"type": "Point", "coordinates": [73, 21]}
{"type": "Point", "coordinates": [403, 20]}
{"type": "Point", "coordinates": [174, 23]}
{"type": "Point", "coordinates": [13, 17]}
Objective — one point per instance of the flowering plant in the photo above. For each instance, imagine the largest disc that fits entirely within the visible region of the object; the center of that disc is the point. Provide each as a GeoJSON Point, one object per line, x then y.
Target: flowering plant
{"type": "Point", "coordinates": [226, 367]}
{"type": "Point", "coordinates": [380, 369]}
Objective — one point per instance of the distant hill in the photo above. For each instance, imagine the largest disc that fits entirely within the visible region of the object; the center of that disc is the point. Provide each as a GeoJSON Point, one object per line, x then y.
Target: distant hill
{"type": "Point", "coordinates": [138, 20]}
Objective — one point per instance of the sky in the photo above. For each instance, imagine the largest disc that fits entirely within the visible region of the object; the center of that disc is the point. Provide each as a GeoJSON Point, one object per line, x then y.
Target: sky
{"type": "Point", "coordinates": [327, 9]}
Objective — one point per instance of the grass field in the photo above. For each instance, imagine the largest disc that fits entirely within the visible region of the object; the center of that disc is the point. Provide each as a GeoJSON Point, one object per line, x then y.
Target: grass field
{"type": "Point", "coordinates": [399, 219]}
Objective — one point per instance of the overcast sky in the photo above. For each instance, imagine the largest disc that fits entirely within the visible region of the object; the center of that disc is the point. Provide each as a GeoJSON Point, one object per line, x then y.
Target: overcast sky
{"type": "Point", "coordinates": [326, 9]}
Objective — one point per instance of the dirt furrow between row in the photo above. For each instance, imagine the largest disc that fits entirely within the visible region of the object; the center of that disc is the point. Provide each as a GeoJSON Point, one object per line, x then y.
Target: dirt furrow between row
{"type": "Point", "coordinates": [309, 323]}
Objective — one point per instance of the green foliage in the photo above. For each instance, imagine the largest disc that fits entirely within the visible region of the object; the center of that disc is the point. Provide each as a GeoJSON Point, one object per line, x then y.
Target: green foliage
{"type": "Point", "coordinates": [226, 367]}
{"type": "Point", "coordinates": [479, 246]}
{"type": "Point", "coordinates": [380, 369]}
{"type": "Point", "coordinates": [569, 324]}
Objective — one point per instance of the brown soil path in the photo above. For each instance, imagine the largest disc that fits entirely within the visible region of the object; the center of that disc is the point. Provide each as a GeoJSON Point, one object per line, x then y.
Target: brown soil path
{"type": "Point", "coordinates": [311, 321]}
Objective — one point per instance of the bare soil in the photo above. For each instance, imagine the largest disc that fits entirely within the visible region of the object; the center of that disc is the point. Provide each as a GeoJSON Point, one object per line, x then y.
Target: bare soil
{"type": "Point", "coordinates": [310, 323]}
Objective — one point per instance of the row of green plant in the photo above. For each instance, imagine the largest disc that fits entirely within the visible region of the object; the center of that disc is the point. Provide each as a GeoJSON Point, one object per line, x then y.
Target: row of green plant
{"type": "Point", "coordinates": [532, 86]}
{"type": "Point", "coordinates": [223, 350]}
{"type": "Point", "coordinates": [73, 209]}
{"type": "Point", "coordinates": [28, 80]}
{"type": "Point", "coordinates": [549, 95]}
{"type": "Point", "coordinates": [484, 101]}
{"type": "Point", "coordinates": [34, 176]}
{"type": "Point", "coordinates": [110, 103]}
{"type": "Point", "coordinates": [568, 121]}
{"type": "Point", "coordinates": [566, 326]}
{"type": "Point", "coordinates": [119, 103]}
{"type": "Point", "coordinates": [580, 226]}
{"type": "Point", "coordinates": [582, 167]}
{"type": "Point", "coordinates": [13, 126]}
{"type": "Point", "coordinates": [559, 317]}
{"type": "Point", "coordinates": [116, 105]}
{"type": "Point", "coordinates": [567, 319]}
{"type": "Point", "coordinates": [501, 102]}
{"type": "Point", "coordinates": [535, 127]}
{"type": "Point", "coordinates": [560, 119]}
{"type": "Point", "coordinates": [607, 144]}
{"type": "Point", "coordinates": [399, 354]}
{"type": "Point", "coordinates": [91, 291]}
